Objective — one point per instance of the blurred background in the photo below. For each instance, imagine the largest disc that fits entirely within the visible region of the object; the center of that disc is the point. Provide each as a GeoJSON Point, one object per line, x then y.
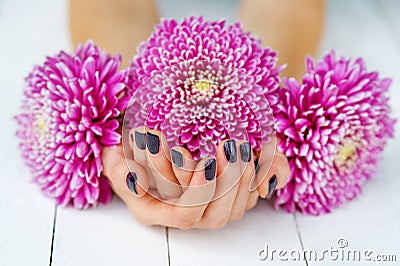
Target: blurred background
{"type": "Point", "coordinates": [33, 231]}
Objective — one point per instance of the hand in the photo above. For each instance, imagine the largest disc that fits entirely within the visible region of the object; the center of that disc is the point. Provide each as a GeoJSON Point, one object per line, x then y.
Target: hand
{"type": "Point", "coordinates": [202, 200]}
{"type": "Point", "coordinates": [272, 169]}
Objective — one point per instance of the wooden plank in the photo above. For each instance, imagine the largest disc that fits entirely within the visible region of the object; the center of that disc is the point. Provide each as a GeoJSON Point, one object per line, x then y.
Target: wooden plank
{"type": "Point", "coordinates": [239, 242]}
{"type": "Point", "coordinates": [106, 235]}
{"type": "Point", "coordinates": [26, 215]}
{"type": "Point", "coordinates": [359, 28]}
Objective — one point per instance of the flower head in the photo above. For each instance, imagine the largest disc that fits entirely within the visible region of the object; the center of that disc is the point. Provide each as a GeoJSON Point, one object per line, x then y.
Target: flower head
{"type": "Point", "coordinates": [334, 126]}
{"type": "Point", "coordinates": [69, 112]}
{"type": "Point", "coordinates": [200, 82]}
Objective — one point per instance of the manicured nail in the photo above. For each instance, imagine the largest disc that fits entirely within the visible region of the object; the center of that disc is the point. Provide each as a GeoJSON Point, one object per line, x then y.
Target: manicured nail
{"type": "Point", "coordinates": [131, 180]}
{"type": "Point", "coordinates": [177, 158]}
{"type": "Point", "coordinates": [256, 165]}
{"type": "Point", "coordinates": [140, 139]}
{"type": "Point", "coordinates": [245, 152]}
{"type": "Point", "coordinates": [210, 167]}
{"type": "Point", "coordinates": [271, 186]}
{"type": "Point", "coordinates": [153, 143]}
{"type": "Point", "coordinates": [230, 150]}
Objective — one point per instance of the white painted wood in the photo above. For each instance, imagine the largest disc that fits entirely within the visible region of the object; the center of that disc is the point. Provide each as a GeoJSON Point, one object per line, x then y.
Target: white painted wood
{"type": "Point", "coordinates": [240, 242]}
{"type": "Point", "coordinates": [106, 235]}
{"type": "Point", "coordinates": [28, 31]}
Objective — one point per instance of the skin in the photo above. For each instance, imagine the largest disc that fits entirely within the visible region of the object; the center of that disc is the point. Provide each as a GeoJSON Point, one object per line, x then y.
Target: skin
{"type": "Point", "coordinates": [203, 203]}
{"type": "Point", "coordinates": [292, 27]}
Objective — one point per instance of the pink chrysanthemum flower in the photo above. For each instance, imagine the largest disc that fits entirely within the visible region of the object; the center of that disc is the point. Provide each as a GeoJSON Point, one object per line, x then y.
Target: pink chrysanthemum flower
{"type": "Point", "coordinates": [69, 112]}
{"type": "Point", "coordinates": [200, 82]}
{"type": "Point", "coordinates": [334, 127]}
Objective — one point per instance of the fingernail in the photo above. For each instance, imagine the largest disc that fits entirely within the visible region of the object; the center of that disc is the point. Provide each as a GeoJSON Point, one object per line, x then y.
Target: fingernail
{"type": "Point", "coordinates": [140, 139]}
{"type": "Point", "coordinates": [153, 143]}
{"type": "Point", "coordinates": [271, 186]}
{"type": "Point", "coordinates": [230, 150]}
{"type": "Point", "coordinates": [210, 167]}
{"type": "Point", "coordinates": [245, 152]}
{"type": "Point", "coordinates": [131, 180]}
{"type": "Point", "coordinates": [177, 158]}
{"type": "Point", "coordinates": [256, 166]}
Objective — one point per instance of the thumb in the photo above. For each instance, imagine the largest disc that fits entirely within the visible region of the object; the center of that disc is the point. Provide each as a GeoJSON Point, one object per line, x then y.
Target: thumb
{"type": "Point", "coordinates": [126, 177]}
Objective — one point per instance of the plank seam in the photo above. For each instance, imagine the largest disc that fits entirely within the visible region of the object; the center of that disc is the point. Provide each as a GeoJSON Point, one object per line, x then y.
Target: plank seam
{"type": "Point", "coordinates": [168, 249]}
{"type": "Point", "coordinates": [53, 234]}
{"type": "Point", "coordinates": [300, 238]}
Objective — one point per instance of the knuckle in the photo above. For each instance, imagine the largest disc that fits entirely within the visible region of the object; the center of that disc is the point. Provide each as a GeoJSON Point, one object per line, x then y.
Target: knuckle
{"type": "Point", "coordinates": [236, 215]}
{"type": "Point", "coordinates": [186, 225]}
{"type": "Point", "coordinates": [185, 219]}
{"type": "Point", "coordinates": [219, 223]}
{"type": "Point", "coordinates": [142, 219]}
{"type": "Point", "coordinates": [119, 169]}
{"type": "Point", "coordinates": [251, 205]}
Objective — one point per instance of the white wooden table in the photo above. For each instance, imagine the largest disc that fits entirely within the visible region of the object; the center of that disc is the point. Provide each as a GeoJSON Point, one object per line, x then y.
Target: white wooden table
{"type": "Point", "coordinates": [33, 231]}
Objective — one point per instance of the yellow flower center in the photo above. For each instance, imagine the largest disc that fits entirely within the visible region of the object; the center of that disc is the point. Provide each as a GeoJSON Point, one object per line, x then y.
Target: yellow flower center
{"type": "Point", "coordinates": [347, 152]}
{"type": "Point", "coordinates": [41, 127]}
{"type": "Point", "coordinates": [346, 156]}
{"type": "Point", "coordinates": [202, 86]}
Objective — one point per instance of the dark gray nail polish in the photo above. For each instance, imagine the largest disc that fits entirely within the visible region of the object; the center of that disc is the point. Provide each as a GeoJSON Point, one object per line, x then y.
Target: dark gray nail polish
{"type": "Point", "coordinates": [209, 170]}
{"type": "Point", "coordinates": [177, 158]}
{"type": "Point", "coordinates": [271, 186]}
{"type": "Point", "coordinates": [131, 180]}
{"type": "Point", "coordinates": [153, 143]}
{"type": "Point", "coordinates": [132, 138]}
{"type": "Point", "coordinates": [256, 165]}
{"type": "Point", "coordinates": [140, 139]}
{"type": "Point", "coordinates": [245, 152]}
{"type": "Point", "coordinates": [230, 150]}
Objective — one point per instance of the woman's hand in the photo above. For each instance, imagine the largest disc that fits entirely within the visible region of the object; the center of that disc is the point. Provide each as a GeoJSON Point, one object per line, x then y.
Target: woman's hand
{"type": "Point", "coordinates": [182, 194]}
{"type": "Point", "coordinates": [272, 169]}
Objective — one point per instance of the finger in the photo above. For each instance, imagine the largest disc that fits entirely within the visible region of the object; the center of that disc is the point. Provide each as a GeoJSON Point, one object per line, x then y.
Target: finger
{"type": "Point", "coordinates": [159, 162]}
{"type": "Point", "coordinates": [275, 177]}
{"type": "Point", "coordinates": [192, 204]}
{"type": "Point", "coordinates": [218, 212]}
{"type": "Point", "coordinates": [126, 176]}
{"type": "Point", "coordinates": [183, 165]}
{"type": "Point", "coordinates": [126, 144]}
{"type": "Point", "coordinates": [265, 158]}
{"type": "Point", "coordinates": [247, 169]}
{"type": "Point", "coordinates": [188, 209]}
{"type": "Point", "coordinates": [253, 199]}
{"type": "Point", "coordinates": [137, 141]}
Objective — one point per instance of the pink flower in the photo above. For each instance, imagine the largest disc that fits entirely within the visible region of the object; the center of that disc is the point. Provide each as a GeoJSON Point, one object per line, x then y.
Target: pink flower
{"type": "Point", "coordinates": [69, 112]}
{"type": "Point", "coordinates": [201, 82]}
{"type": "Point", "coordinates": [334, 127]}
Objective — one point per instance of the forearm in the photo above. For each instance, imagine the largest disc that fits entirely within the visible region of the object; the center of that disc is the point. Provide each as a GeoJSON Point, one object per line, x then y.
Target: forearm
{"type": "Point", "coordinates": [292, 27]}
{"type": "Point", "coordinates": [116, 25]}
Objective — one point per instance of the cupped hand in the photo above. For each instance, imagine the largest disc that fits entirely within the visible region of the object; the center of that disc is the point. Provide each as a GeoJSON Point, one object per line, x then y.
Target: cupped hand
{"type": "Point", "coordinates": [181, 192]}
